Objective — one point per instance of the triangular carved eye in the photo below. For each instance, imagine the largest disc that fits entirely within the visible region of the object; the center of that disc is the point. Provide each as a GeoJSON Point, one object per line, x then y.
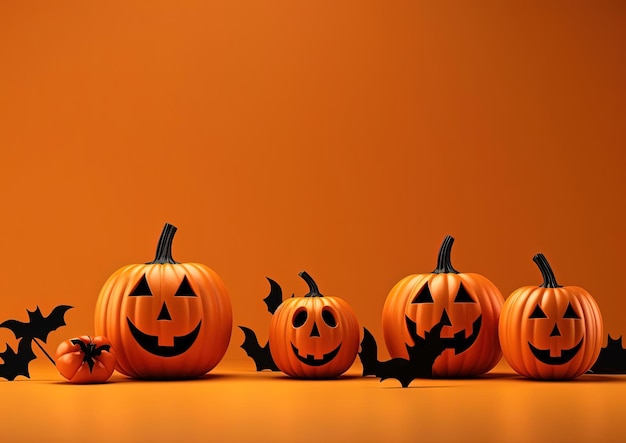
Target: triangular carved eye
{"type": "Point", "coordinates": [570, 313]}
{"type": "Point", "coordinates": [142, 289]}
{"type": "Point", "coordinates": [184, 290]}
{"type": "Point", "coordinates": [463, 296]}
{"type": "Point", "coordinates": [424, 295]}
{"type": "Point", "coordinates": [538, 313]}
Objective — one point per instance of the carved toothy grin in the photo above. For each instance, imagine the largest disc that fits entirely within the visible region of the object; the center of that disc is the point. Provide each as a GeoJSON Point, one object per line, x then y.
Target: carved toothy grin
{"type": "Point", "coordinates": [459, 342]}
{"type": "Point", "coordinates": [543, 355]}
{"type": "Point", "coordinates": [312, 361]}
{"type": "Point", "coordinates": [151, 342]}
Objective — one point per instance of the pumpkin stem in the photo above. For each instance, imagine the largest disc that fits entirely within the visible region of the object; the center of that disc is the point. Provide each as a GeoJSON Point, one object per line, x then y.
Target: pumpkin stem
{"type": "Point", "coordinates": [444, 265]}
{"type": "Point", "coordinates": [164, 247]}
{"type": "Point", "coordinates": [313, 290]}
{"type": "Point", "coordinates": [549, 280]}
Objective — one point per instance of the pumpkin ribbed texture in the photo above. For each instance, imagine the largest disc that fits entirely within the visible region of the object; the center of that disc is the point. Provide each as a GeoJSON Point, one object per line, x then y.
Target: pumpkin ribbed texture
{"type": "Point", "coordinates": [211, 306]}
{"type": "Point", "coordinates": [518, 331]}
{"type": "Point", "coordinates": [283, 334]}
{"type": "Point", "coordinates": [444, 284]}
{"type": "Point", "coordinates": [483, 354]}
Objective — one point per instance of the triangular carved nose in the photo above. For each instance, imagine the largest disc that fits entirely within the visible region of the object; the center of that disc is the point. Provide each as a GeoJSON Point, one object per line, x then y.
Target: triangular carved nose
{"type": "Point", "coordinates": [445, 320]}
{"type": "Point", "coordinates": [164, 314]}
{"type": "Point", "coordinates": [555, 331]}
{"type": "Point", "coordinates": [315, 332]}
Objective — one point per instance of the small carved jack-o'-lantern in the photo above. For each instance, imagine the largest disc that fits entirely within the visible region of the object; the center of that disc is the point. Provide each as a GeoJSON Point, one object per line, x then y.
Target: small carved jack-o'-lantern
{"type": "Point", "coordinates": [550, 331]}
{"type": "Point", "coordinates": [165, 319]}
{"type": "Point", "coordinates": [314, 336]}
{"type": "Point", "coordinates": [463, 307]}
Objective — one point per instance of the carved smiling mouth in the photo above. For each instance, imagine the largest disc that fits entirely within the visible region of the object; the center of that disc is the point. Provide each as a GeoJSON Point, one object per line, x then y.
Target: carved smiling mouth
{"type": "Point", "coordinates": [312, 361]}
{"type": "Point", "coordinates": [459, 342]}
{"type": "Point", "coordinates": [543, 355]}
{"type": "Point", "coordinates": [151, 342]}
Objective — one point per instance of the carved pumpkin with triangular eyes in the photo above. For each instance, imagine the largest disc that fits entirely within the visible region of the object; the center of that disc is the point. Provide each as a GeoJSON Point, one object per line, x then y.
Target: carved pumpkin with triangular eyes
{"type": "Point", "coordinates": [550, 331]}
{"type": "Point", "coordinates": [165, 319]}
{"type": "Point", "coordinates": [314, 336]}
{"type": "Point", "coordinates": [465, 306]}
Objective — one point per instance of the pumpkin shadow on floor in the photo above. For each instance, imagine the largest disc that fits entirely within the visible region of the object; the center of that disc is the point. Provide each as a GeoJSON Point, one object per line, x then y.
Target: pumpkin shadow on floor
{"type": "Point", "coordinates": [585, 378]}
{"type": "Point", "coordinates": [339, 379]}
{"type": "Point", "coordinates": [68, 383]}
{"type": "Point", "coordinates": [279, 376]}
{"type": "Point", "coordinates": [416, 387]}
{"type": "Point", "coordinates": [419, 382]}
{"type": "Point", "coordinates": [493, 376]}
{"type": "Point", "coordinates": [123, 379]}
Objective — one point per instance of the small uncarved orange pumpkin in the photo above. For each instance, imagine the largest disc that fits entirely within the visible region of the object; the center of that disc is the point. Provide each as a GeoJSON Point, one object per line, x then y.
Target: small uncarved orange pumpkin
{"type": "Point", "coordinates": [165, 319]}
{"type": "Point", "coordinates": [314, 336]}
{"type": "Point", "coordinates": [466, 307]}
{"type": "Point", "coordinates": [550, 331]}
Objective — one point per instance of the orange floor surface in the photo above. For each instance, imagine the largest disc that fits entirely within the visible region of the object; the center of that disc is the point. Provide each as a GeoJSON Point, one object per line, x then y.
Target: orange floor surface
{"type": "Point", "coordinates": [234, 403]}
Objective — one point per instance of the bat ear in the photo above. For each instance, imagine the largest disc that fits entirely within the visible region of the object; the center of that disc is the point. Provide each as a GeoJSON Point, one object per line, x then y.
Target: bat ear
{"type": "Point", "coordinates": [611, 359]}
{"type": "Point", "coordinates": [275, 297]}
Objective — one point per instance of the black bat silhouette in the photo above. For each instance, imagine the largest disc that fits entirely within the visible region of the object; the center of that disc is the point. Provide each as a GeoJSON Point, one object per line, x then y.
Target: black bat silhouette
{"type": "Point", "coordinates": [261, 355]}
{"type": "Point", "coordinates": [398, 368]}
{"type": "Point", "coordinates": [90, 351]}
{"type": "Point", "coordinates": [612, 358]}
{"type": "Point", "coordinates": [275, 297]}
{"type": "Point", "coordinates": [422, 355]}
{"type": "Point", "coordinates": [16, 363]}
{"type": "Point", "coordinates": [38, 327]}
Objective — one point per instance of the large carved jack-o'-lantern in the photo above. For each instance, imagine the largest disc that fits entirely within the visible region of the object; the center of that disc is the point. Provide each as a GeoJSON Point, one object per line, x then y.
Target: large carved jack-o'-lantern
{"type": "Point", "coordinates": [165, 319]}
{"type": "Point", "coordinates": [314, 336]}
{"type": "Point", "coordinates": [464, 308]}
{"type": "Point", "coordinates": [550, 331]}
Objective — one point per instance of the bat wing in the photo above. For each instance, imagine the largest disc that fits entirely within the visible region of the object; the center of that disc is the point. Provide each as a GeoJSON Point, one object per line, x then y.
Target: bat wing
{"type": "Point", "coordinates": [368, 354]}
{"type": "Point", "coordinates": [16, 363]}
{"type": "Point", "coordinates": [261, 355]}
{"type": "Point", "coordinates": [275, 297]}
{"type": "Point", "coordinates": [38, 326]}
{"type": "Point", "coordinates": [52, 322]}
{"type": "Point", "coordinates": [19, 328]}
{"type": "Point", "coordinates": [398, 368]}
{"type": "Point", "coordinates": [425, 351]}
{"type": "Point", "coordinates": [402, 370]}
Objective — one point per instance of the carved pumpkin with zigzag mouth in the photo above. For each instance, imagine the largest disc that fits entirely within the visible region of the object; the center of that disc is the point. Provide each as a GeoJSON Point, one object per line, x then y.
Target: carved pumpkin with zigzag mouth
{"type": "Point", "coordinates": [314, 336]}
{"type": "Point", "coordinates": [465, 305]}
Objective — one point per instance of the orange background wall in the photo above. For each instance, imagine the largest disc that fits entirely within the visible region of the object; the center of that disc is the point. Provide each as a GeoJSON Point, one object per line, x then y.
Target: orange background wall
{"type": "Point", "coordinates": [344, 138]}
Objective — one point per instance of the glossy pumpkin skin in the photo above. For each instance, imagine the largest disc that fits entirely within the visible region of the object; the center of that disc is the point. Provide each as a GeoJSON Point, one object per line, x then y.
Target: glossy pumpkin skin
{"type": "Point", "coordinates": [165, 319]}
{"type": "Point", "coordinates": [550, 332]}
{"type": "Point", "coordinates": [73, 362]}
{"type": "Point", "coordinates": [314, 336]}
{"type": "Point", "coordinates": [471, 302]}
